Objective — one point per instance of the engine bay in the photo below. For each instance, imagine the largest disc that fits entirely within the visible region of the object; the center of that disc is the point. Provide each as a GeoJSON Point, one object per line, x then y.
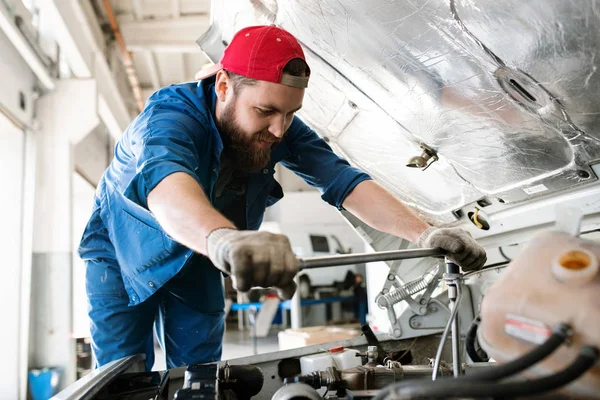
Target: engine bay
{"type": "Point", "coordinates": [522, 338]}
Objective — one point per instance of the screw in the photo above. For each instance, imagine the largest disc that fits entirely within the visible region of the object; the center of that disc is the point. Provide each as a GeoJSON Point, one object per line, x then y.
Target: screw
{"type": "Point", "coordinates": [422, 310]}
{"type": "Point", "coordinates": [391, 277]}
{"type": "Point", "coordinates": [414, 323]}
{"type": "Point", "coordinates": [423, 301]}
{"type": "Point", "coordinates": [433, 308]}
{"type": "Point", "coordinates": [396, 332]}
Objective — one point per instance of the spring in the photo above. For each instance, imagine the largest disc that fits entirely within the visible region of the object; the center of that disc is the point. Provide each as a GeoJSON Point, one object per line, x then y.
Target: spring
{"type": "Point", "coordinates": [406, 291]}
{"type": "Point", "coordinates": [410, 288]}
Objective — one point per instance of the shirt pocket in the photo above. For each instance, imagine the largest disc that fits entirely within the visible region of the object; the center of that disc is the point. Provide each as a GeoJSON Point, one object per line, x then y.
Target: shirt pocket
{"type": "Point", "coordinates": [141, 245]}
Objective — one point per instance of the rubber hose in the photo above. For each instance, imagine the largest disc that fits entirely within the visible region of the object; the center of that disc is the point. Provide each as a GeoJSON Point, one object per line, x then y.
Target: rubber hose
{"type": "Point", "coordinates": [475, 355]}
{"type": "Point", "coordinates": [558, 337]}
{"type": "Point", "coordinates": [244, 380]}
{"type": "Point", "coordinates": [451, 388]}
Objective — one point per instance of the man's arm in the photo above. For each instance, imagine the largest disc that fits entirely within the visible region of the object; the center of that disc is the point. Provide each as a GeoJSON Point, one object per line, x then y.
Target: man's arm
{"type": "Point", "coordinates": [379, 209]}
{"type": "Point", "coordinates": [183, 211]}
{"type": "Point", "coordinates": [343, 186]}
{"type": "Point", "coordinates": [251, 258]}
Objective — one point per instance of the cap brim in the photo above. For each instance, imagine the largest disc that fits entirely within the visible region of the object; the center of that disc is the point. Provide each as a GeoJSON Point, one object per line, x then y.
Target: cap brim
{"type": "Point", "coordinates": [208, 72]}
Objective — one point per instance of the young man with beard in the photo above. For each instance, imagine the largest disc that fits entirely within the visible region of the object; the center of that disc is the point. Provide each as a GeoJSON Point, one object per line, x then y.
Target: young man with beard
{"type": "Point", "coordinates": [180, 204]}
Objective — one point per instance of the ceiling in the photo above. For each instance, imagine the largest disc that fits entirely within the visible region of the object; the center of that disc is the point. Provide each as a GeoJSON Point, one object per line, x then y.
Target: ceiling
{"type": "Point", "coordinates": [160, 36]}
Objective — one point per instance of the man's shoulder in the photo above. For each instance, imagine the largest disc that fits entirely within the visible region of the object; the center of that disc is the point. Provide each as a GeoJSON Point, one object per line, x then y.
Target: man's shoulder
{"type": "Point", "coordinates": [179, 105]}
{"type": "Point", "coordinates": [187, 96]}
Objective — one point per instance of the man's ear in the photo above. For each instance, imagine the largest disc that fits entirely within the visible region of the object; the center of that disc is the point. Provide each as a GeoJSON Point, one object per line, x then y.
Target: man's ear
{"type": "Point", "coordinates": [222, 85]}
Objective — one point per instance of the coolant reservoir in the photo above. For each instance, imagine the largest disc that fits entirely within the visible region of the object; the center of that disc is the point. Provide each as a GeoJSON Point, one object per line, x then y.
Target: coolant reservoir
{"type": "Point", "coordinates": [554, 279]}
{"type": "Point", "coordinates": [338, 357]}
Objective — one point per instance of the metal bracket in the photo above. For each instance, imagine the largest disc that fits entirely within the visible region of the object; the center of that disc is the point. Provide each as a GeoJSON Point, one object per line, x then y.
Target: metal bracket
{"type": "Point", "coordinates": [403, 292]}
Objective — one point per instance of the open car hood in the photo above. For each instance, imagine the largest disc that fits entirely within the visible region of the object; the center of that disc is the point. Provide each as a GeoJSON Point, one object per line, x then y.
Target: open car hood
{"type": "Point", "coordinates": [502, 93]}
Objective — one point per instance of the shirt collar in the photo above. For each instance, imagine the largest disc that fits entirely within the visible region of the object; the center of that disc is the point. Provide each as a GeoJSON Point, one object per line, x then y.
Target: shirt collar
{"type": "Point", "coordinates": [207, 89]}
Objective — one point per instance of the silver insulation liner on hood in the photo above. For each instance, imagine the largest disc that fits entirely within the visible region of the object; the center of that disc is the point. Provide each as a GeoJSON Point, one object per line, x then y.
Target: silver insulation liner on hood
{"type": "Point", "coordinates": [503, 92]}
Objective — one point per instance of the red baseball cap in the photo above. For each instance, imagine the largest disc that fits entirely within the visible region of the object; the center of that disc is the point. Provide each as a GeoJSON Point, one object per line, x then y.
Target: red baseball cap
{"type": "Point", "coordinates": [260, 52]}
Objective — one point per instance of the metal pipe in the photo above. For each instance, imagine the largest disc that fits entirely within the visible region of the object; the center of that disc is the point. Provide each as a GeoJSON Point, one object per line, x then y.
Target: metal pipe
{"type": "Point", "coordinates": [419, 371]}
{"type": "Point", "coordinates": [348, 259]}
{"type": "Point", "coordinates": [438, 356]}
{"type": "Point", "coordinates": [127, 60]}
{"type": "Point", "coordinates": [454, 279]}
{"type": "Point", "coordinates": [456, 361]}
{"type": "Point", "coordinates": [296, 308]}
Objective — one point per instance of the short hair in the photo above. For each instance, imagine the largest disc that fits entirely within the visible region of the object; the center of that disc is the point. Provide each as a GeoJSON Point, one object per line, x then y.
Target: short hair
{"type": "Point", "coordinates": [295, 67]}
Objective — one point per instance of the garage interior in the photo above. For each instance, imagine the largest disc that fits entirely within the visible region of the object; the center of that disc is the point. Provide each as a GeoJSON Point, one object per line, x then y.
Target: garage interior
{"type": "Point", "coordinates": [479, 115]}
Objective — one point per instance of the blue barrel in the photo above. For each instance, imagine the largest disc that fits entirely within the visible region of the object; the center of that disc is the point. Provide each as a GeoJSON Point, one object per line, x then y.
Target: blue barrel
{"type": "Point", "coordinates": [43, 383]}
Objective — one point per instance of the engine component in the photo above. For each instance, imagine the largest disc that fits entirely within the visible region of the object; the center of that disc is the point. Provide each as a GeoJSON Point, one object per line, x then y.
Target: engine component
{"type": "Point", "coordinates": [370, 377]}
{"type": "Point", "coordinates": [450, 388]}
{"type": "Point", "coordinates": [200, 381]}
{"type": "Point", "coordinates": [409, 289]}
{"type": "Point", "coordinates": [366, 377]}
{"type": "Point", "coordinates": [474, 350]}
{"type": "Point", "coordinates": [296, 391]}
{"type": "Point", "coordinates": [336, 356]}
{"type": "Point", "coordinates": [529, 298]}
{"type": "Point", "coordinates": [425, 283]}
{"type": "Point", "coordinates": [454, 279]}
{"type": "Point", "coordinates": [403, 356]}
{"type": "Point", "coordinates": [211, 381]}
{"type": "Point", "coordinates": [244, 380]}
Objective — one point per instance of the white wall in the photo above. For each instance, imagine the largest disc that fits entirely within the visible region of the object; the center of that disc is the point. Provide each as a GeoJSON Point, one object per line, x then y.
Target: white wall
{"type": "Point", "coordinates": [83, 200]}
{"type": "Point", "coordinates": [16, 78]}
{"type": "Point", "coordinates": [11, 198]}
{"type": "Point", "coordinates": [93, 153]}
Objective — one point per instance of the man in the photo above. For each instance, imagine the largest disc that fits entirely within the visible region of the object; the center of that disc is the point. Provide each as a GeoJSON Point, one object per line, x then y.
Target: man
{"type": "Point", "coordinates": [180, 203]}
{"type": "Point", "coordinates": [360, 298]}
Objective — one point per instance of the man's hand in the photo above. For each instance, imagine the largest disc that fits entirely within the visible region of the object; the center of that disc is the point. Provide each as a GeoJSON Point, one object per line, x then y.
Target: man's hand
{"type": "Point", "coordinates": [460, 245]}
{"type": "Point", "coordinates": [254, 259]}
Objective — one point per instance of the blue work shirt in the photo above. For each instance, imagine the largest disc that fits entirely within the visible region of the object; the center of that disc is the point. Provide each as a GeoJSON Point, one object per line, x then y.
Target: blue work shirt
{"type": "Point", "coordinates": [176, 132]}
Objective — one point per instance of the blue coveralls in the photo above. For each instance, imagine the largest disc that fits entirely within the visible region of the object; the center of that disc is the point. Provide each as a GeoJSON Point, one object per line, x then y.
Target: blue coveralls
{"type": "Point", "coordinates": [136, 275]}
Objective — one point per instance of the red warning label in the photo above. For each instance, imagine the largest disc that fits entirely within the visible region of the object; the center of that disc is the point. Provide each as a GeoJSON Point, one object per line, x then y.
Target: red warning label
{"type": "Point", "coordinates": [526, 329]}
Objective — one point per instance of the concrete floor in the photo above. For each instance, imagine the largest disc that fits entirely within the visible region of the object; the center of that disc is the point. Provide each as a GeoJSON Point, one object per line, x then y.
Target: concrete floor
{"type": "Point", "coordinates": [236, 344]}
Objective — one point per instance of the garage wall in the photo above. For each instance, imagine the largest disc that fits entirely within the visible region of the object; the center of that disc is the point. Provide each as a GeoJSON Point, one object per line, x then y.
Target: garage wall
{"type": "Point", "coordinates": [11, 212]}
{"type": "Point", "coordinates": [83, 201]}
{"type": "Point", "coordinates": [16, 85]}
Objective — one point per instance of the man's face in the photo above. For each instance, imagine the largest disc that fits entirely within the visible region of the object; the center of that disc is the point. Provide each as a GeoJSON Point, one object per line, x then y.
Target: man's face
{"type": "Point", "coordinates": [254, 119]}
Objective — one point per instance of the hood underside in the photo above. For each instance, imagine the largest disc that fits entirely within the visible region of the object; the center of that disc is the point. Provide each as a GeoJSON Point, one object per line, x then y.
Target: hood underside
{"type": "Point", "coordinates": [503, 93]}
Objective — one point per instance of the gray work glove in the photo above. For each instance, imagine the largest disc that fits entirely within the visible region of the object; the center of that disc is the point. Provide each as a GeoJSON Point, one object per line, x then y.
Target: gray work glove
{"type": "Point", "coordinates": [460, 245]}
{"type": "Point", "coordinates": [254, 259]}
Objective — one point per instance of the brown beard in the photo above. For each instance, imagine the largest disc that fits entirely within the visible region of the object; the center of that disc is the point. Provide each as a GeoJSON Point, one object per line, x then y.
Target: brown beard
{"type": "Point", "coordinates": [240, 147]}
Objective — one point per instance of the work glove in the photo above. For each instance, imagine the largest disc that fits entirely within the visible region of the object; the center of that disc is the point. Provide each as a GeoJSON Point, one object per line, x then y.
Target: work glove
{"type": "Point", "coordinates": [460, 246]}
{"type": "Point", "coordinates": [254, 259]}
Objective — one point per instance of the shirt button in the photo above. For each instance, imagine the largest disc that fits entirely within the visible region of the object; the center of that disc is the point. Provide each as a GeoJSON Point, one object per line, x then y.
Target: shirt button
{"type": "Point", "coordinates": [151, 284]}
{"type": "Point", "coordinates": [265, 171]}
{"type": "Point", "coordinates": [133, 298]}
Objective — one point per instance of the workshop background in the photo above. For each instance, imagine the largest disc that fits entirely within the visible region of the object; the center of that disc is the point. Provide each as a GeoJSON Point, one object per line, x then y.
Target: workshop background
{"type": "Point", "coordinates": [74, 74]}
{"type": "Point", "coordinates": [479, 114]}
